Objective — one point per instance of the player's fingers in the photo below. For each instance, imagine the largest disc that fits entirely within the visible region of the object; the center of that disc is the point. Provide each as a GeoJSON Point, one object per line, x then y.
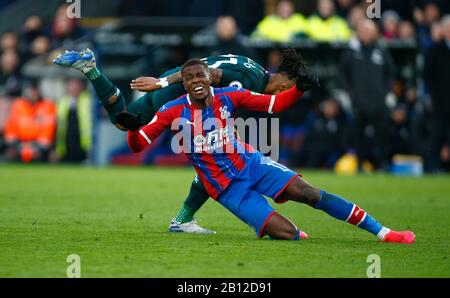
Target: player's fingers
{"type": "Point", "coordinates": [134, 86]}
{"type": "Point", "coordinates": [137, 85]}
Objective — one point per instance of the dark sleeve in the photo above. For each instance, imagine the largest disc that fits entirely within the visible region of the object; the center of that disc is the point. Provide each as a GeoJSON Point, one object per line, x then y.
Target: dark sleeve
{"type": "Point", "coordinates": [390, 69]}
{"type": "Point", "coordinates": [344, 69]}
{"type": "Point", "coordinates": [429, 69]}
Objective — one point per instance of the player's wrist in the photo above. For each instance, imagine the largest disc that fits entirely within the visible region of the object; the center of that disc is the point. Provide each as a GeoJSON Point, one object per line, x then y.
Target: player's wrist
{"type": "Point", "coordinates": [163, 82]}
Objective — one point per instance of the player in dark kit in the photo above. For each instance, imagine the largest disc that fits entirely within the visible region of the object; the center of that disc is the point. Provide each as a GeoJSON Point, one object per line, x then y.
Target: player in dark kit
{"type": "Point", "coordinates": [235, 174]}
{"type": "Point", "coordinates": [226, 70]}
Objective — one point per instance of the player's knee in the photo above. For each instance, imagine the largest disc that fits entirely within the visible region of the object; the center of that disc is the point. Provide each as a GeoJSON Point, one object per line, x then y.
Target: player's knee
{"type": "Point", "coordinates": [120, 127]}
{"type": "Point", "coordinates": [287, 233]}
{"type": "Point", "coordinates": [290, 234]}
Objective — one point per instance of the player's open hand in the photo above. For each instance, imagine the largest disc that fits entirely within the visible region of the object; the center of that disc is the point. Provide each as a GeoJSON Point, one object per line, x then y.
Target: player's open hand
{"type": "Point", "coordinates": [145, 84]}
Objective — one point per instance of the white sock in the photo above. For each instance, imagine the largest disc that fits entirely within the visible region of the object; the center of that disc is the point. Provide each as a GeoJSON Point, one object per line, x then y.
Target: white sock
{"type": "Point", "coordinates": [384, 231]}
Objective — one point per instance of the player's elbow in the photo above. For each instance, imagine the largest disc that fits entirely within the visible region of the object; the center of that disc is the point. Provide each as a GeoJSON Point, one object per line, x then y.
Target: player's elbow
{"type": "Point", "coordinates": [280, 106]}
{"type": "Point", "coordinates": [284, 100]}
{"type": "Point", "coordinates": [277, 109]}
{"type": "Point", "coordinates": [134, 148]}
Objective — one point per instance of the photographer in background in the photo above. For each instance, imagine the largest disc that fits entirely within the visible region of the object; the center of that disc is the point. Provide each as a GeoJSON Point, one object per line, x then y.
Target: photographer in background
{"type": "Point", "coordinates": [30, 129]}
{"type": "Point", "coordinates": [74, 133]}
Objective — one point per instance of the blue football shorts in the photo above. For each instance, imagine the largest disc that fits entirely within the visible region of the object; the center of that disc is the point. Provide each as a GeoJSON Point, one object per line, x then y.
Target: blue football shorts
{"type": "Point", "coordinates": [244, 195]}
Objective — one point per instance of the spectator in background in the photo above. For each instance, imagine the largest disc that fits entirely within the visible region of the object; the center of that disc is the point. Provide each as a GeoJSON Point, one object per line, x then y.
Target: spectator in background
{"type": "Point", "coordinates": [425, 19]}
{"type": "Point", "coordinates": [40, 46]}
{"type": "Point", "coordinates": [432, 12]}
{"type": "Point", "coordinates": [406, 31]}
{"type": "Point", "coordinates": [30, 129]}
{"type": "Point", "coordinates": [74, 133]}
{"type": "Point", "coordinates": [403, 7]}
{"type": "Point", "coordinates": [64, 31]}
{"type": "Point", "coordinates": [274, 59]}
{"type": "Point", "coordinates": [368, 73]}
{"type": "Point", "coordinates": [284, 26]}
{"type": "Point", "coordinates": [10, 78]}
{"type": "Point", "coordinates": [9, 41]}
{"type": "Point", "coordinates": [32, 28]}
{"type": "Point", "coordinates": [356, 14]}
{"type": "Point", "coordinates": [228, 39]}
{"type": "Point", "coordinates": [326, 136]}
{"type": "Point", "coordinates": [399, 131]}
{"type": "Point", "coordinates": [343, 7]}
{"type": "Point", "coordinates": [414, 108]}
{"type": "Point", "coordinates": [391, 21]}
{"type": "Point", "coordinates": [326, 25]}
{"type": "Point", "coordinates": [436, 33]}
{"type": "Point", "coordinates": [34, 37]}
{"type": "Point", "coordinates": [437, 79]}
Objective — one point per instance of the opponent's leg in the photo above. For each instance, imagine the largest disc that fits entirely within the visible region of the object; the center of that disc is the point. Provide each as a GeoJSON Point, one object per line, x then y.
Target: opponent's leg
{"type": "Point", "coordinates": [144, 106]}
{"type": "Point", "coordinates": [109, 95]}
{"type": "Point", "coordinates": [301, 191]}
{"type": "Point", "coordinates": [184, 220]}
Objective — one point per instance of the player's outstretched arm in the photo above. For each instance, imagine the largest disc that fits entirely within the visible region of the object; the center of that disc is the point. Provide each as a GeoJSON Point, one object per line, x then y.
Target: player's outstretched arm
{"type": "Point", "coordinates": [139, 138]}
{"type": "Point", "coordinates": [274, 103]}
{"type": "Point", "coordinates": [148, 84]}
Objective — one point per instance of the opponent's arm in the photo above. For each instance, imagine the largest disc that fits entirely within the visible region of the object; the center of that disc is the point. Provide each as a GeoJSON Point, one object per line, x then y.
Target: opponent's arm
{"type": "Point", "coordinates": [147, 84]}
{"type": "Point", "coordinates": [274, 103]}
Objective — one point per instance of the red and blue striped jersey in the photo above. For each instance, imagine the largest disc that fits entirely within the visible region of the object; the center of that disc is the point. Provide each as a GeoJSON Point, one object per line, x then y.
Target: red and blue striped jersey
{"type": "Point", "coordinates": [207, 136]}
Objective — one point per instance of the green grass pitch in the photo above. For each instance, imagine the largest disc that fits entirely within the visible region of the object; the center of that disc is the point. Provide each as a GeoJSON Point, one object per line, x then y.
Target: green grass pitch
{"type": "Point", "coordinates": [116, 220]}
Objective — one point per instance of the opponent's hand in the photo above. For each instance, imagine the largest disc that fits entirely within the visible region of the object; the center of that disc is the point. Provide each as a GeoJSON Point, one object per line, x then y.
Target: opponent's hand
{"type": "Point", "coordinates": [129, 121]}
{"type": "Point", "coordinates": [306, 82]}
{"type": "Point", "coordinates": [145, 84]}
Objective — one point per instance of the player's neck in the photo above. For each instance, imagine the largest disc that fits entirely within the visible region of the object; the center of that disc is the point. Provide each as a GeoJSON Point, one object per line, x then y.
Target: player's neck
{"type": "Point", "coordinates": [202, 103]}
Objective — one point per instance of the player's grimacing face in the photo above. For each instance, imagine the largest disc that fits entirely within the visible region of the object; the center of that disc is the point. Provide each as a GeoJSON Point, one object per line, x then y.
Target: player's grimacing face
{"type": "Point", "coordinates": [196, 81]}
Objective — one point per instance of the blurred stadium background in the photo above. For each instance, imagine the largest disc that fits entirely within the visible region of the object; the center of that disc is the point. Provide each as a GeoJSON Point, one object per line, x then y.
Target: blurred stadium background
{"type": "Point", "coordinates": [390, 118]}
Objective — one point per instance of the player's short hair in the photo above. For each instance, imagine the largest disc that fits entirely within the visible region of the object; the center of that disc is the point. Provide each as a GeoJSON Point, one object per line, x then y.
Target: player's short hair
{"type": "Point", "coordinates": [292, 63]}
{"type": "Point", "coordinates": [192, 62]}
